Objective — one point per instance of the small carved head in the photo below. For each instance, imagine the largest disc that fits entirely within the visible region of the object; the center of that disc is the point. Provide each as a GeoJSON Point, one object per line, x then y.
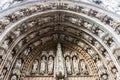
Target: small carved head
{"type": "Point", "coordinates": [50, 57]}
{"type": "Point", "coordinates": [74, 57]}
{"type": "Point", "coordinates": [67, 57]}
{"type": "Point", "coordinates": [43, 57]}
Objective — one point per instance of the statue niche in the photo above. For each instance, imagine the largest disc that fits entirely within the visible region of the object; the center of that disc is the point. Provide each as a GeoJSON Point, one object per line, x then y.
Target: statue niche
{"type": "Point", "coordinates": [50, 63]}
{"type": "Point", "coordinates": [35, 66]}
{"type": "Point", "coordinates": [59, 64]}
{"type": "Point", "coordinates": [68, 63]}
{"type": "Point", "coordinates": [75, 64]}
{"type": "Point", "coordinates": [83, 67]}
{"type": "Point", "coordinates": [43, 64]}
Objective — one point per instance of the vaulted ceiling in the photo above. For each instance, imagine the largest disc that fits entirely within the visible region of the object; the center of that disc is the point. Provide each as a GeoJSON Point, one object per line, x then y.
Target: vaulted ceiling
{"type": "Point", "coordinates": [28, 29]}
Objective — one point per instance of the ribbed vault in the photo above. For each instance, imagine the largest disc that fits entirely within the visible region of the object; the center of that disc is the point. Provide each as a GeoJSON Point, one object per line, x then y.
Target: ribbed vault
{"type": "Point", "coordinates": [29, 29]}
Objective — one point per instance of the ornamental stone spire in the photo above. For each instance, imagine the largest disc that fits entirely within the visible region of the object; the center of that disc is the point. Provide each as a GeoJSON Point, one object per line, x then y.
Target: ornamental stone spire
{"type": "Point", "coordinates": [59, 64]}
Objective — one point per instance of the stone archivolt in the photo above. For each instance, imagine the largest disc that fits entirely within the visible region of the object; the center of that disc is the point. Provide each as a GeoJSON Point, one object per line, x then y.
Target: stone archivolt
{"type": "Point", "coordinates": [27, 31]}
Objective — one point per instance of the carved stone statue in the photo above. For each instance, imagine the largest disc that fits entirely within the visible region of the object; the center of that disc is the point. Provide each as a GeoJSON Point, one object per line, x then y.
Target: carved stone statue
{"type": "Point", "coordinates": [14, 77]}
{"type": "Point", "coordinates": [104, 76]}
{"type": "Point", "coordinates": [117, 76]}
{"type": "Point", "coordinates": [91, 51]}
{"type": "Point", "coordinates": [18, 64]}
{"type": "Point", "coordinates": [43, 65]}
{"type": "Point", "coordinates": [101, 33]}
{"type": "Point", "coordinates": [50, 64]}
{"type": "Point", "coordinates": [87, 25]}
{"type": "Point", "coordinates": [97, 44]}
{"type": "Point", "coordinates": [2, 54]}
{"type": "Point", "coordinates": [4, 22]}
{"type": "Point", "coordinates": [35, 66]}
{"type": "Point", "coordinates": [68, 64]}
{"type": "Point", "coordinates": [17, 33]}
{"type": "Point", "coordinates": [26, 51]}
{"type": "Point", "coordinates": [5, 44]}
{"type": "Point", "coordinates": [83, 67]}
{"type": "Point", "coordinates": [18, 14]}
{"type": "Point", "coordinates": [100, 16]}
{"type": "Point", "coordinates": [17, 69]}
{"type": "Point", "coordinates": [75, 64]}
{"type": "Point", "coordinates": [101, 67]}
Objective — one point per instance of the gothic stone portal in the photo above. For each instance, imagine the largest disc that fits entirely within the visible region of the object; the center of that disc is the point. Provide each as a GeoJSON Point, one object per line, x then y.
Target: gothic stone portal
{"type": "Point", "coordinates": [59, 66]}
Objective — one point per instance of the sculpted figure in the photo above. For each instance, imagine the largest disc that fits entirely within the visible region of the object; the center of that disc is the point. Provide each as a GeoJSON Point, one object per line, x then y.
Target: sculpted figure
{"type": "Point", "coordinates": [14, 77]}
{"type": "Point", "coordinates": [50, 65]}
{"type": "Point", "coordinates": [97, 44]}
{"type": "Point", "coordinates": [26, 52]}
{"type": "Point", "coordinates": [83, 67]}
{"type": "Point", "coordinates": [101, 67]}
{"type": "Point", "coordinates": [75, 64]}
{"type": "Point", "coordinates": [43, 64]}
{"type": "Point", "coordinates": [4, 22]}
{"type": "Point", "coordinates": [85, 10]}
{"type": "Point", "coordinates": [5, 44]}
{"type": "Point", "coordinates": [107, 20]}
{"type": "Point", "coordinates": [117, 29]}
{"type": "Point", "coordinates": [18, 64]}
{"type": "Point", "coordinates": [17, 69]}
{"type": "Point", "coordinates": [68, 64]}
{"type": "Point", "coordinates": [104, 76]}
{"type": "Point", "coordinates": [101, 33]}
{"type": "Point", "coordinates": [17, 33]}
{"type": "Point", "coordinates": [2, 54]}
{"type": "Point", "coordinates": [100, 16]}
{"type": "Point", "coordinates": [91, 51]}
{"type": "Point", "coordinates": [88, 25]}
{"type": "Point", "coordinates": [18, 14]}
{"type": "Point", "coordinates": [117, 55]}
{"type": "Point", "coordinates": [33, 9]}
{"type": "Point", "coordinates": [35, 66]}
{"type": "Point", "coordinates": [117, 76]}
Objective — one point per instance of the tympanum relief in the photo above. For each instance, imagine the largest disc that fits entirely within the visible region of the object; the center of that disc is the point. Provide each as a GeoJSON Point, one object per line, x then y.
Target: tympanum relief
{"type": "Point", "coordinates": [60, 62]}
